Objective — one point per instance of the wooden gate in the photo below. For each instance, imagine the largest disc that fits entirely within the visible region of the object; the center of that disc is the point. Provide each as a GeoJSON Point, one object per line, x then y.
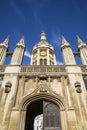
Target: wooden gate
{"type": "Point", "coordinates": [51, 116]}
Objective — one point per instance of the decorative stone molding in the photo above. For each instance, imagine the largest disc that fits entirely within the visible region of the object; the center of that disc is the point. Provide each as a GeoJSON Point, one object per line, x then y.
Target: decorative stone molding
{"type": "Point", "coordinates": [78, 87]}
{"type": "Point", "coordinates": [2, 69]}
{"type": "Point", "coordinates": [42, 70]}
{"type": "Point", "coordinates": [8, 87]}
{"type": "Point", "coordinates": [43, 91]}
{"type": "Point", "coordinates": [36, 96]}
{"type": "Point", "coordinates": [84, 69]}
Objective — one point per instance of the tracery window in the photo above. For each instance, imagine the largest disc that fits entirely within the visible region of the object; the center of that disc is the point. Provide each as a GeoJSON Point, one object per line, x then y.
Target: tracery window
{"type": "Point", "coordinates": [43, 61]}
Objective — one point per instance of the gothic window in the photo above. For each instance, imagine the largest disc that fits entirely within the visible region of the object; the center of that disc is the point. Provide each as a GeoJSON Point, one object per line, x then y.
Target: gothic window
{"type": "Point", "coordinates": [51, 53]}
{"type": "Point", "coordinates": [34, 53]}
{"type": "Point", "coordinates": [41, 62]}
{"type": "Point", "coordinates": [85, 81]}
{"type": "Point", "coordinates": [45, 61]}
{"type": "Point", "coordinates": [51, 63]}
{"type": "Point", "coordinates": [35, 63]}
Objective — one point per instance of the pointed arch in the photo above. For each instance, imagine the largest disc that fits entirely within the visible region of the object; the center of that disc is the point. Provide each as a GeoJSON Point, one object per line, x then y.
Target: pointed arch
{"type": "Point", "coordinates": [30, 98]}
{"type": "Point", "coordinates": [57, 99]}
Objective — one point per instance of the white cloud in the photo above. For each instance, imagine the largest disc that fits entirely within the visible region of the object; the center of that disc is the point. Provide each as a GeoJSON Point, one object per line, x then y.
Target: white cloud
{"type": "Point", "coordinates": [16, 9]}
{"type": "Point", "coordinates": [56, 37]}
{"type": "Point", "coordinates": [27, 54]}
{"type": "Point", "coordinates": [38, 20]}
{"type": "Point", "coordinates": [35, 6]}
{"type": "Point", "coordinates": [59, 63]}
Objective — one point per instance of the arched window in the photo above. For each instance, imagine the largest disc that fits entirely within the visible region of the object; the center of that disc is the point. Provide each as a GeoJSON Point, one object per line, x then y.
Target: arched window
{"type": "Point", "coordinates": [41, 61]}
{"type": "Point", "coordinates": [35, 62]}
{"type": "Point", "coordinates": [45, 61]}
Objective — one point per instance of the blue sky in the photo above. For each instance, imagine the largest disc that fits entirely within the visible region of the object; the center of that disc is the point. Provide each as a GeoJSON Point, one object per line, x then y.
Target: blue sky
{"type": "Point", "coordinates": [54, 17]}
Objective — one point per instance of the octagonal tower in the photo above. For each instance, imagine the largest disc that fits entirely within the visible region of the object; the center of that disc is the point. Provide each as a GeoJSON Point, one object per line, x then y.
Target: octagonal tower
{"type": "Point", "coordinates": [43, 53]}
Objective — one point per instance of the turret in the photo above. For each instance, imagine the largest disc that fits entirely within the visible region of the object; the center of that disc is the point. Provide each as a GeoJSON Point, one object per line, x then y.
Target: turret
{"type": "Point", "coordinates": [67, 52]}
{"type": "Point", "coordinates": [3, 49]}
{"type": "Point", "coordinates": [43, 53]}
{"type": "Point", "coordinates": [82, 47]}
{"type": "Point", "coordinates": [18, 53]}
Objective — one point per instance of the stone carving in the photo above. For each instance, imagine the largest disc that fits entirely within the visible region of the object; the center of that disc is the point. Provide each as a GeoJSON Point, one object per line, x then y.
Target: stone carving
{"type": "Point", "coordinates": [78, 87]}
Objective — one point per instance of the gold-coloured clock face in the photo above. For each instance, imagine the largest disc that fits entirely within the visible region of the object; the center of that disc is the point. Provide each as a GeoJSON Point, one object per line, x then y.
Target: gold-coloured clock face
{"type": "Point", "coordinates": [43, 53]}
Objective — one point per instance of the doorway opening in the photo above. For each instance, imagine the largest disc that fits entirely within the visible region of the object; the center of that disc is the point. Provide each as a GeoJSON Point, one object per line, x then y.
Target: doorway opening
{"type": "Point", "coordinates": [42, 115]}
{"type": "Point", "coordinates": [38, 122]}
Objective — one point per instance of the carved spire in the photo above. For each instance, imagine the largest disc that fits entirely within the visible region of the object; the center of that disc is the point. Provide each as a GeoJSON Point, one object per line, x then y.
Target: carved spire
{"type": "Point", "coordinates": [80, 42]}
{"type": "Point", "coordinates": [6, 41]}
{"type": "Point", "coordinates": [64, 42]}
{"type": "Point", "coordinates": [63, 39]}
{"type": "Point", "coordinates": [18, 53]}
{"type": "Point", "coordinates": [67, 52]}
{"type": "Point", "coordinates": [43, 36]}
{"type": "Point", "coordinates": [82, 47]}
{"type": "Point", "coordinates": [21, 42]}
{"type": "Point", "coordinates": [3, 49]}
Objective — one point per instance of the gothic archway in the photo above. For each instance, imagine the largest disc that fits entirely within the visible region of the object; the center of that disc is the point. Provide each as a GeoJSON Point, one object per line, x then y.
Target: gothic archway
{"type": "Point", "coordinates": [31, 100]}
{"type": "Point", "coordinates": [51, 115]}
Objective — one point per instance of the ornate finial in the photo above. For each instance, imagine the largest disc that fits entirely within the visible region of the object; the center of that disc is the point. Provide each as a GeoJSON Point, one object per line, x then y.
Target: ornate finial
{"type": "Point", "coordinates": [43, 36]}
{"type": "Point", "coordinates": [21, 42]}
{"type": "Point", "coordinates": [80, 42]}
{"type": "Point", "coordinates": [6, 41]}
{"type": "Point", "coordinates": [64, 41]}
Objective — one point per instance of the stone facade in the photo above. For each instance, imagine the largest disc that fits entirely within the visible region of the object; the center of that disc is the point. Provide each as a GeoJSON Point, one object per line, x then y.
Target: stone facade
{"type": "Point", "coordinates": [23, 86]}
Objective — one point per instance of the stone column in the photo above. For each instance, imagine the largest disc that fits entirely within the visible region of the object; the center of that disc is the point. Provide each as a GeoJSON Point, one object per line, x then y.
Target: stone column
{"type": "Point", "coordinates": [3, 49]}
{"type": "Point", "coordinates": [18, 53]}
{"type": "Point", "coordinates": [38, 56]}
{"type": "Point", "coordinates": [54, 59]}
{"type": "Point", "coordinates": [83, 50]}
{"type": "Point", "coordinates": [67, 53]}
{"type": "Point", "coordinates": [48, 59]}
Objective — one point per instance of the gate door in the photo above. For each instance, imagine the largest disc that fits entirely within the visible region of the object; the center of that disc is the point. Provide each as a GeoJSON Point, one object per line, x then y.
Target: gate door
{"type": "Point", "coordinates": [51, 116]}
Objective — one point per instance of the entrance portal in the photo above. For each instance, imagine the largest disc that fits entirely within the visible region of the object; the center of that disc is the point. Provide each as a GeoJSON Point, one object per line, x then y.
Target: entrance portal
{"type": "Point", "coordinates": [50, 112]}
